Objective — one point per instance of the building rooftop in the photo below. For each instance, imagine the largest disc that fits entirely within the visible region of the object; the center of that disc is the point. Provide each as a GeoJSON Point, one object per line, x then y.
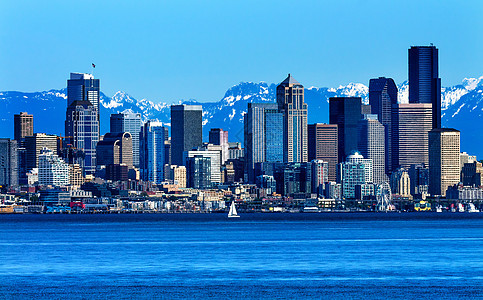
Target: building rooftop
{"type": "Point", "coordinates": [290, 81]}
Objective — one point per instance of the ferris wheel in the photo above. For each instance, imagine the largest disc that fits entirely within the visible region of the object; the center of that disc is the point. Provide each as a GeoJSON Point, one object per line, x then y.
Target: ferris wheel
{"type": "Point", "coordinates": [384, 197]}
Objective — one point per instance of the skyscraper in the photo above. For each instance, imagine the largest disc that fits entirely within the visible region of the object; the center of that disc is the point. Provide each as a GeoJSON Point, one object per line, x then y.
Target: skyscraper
{"type": "Point", "coordinates": [444, 160]}
{"type": "Point", "coordinates": [218, 136]}
{"type": "Point", "coordinates": [128, 122]}
{"type": "Point", "coordinates": [8, 162]}
{"type": "Point", "coordinates": [115, 149]}
{"type": "Point", "coordinates": [82, 131]}
{"type": "Point", "coordinates": [424, 83]}
{"type": "Point", "coordinates": [290, 100]}
{"type": "Point", "coordinates": [23, 125]}
{"type": "Point", "coordinates": [323, 145]}
{"type": "Point", "coordinates": [186, 130]}
{"type": "Point", "coordinates": [198, 172]}
{"type": "Point", "coordinates": [263, 128]}
{"type": "Point", "coordinates": [346, 113]}
{"type": "Point", "coordinates": [382, 98]}
{"type": "Point", "coordinates": [355, 171]}
{"type": "Point", "coordinates": [152, 151]}
{"type": "Point", "coordinates": [412, 122]}
{"type": "Point", "coordinates": [372, 145]}
{"type": "Point", "coordinates": [83, 87]}
{"type": "Point", "coordinates": [82, 117]}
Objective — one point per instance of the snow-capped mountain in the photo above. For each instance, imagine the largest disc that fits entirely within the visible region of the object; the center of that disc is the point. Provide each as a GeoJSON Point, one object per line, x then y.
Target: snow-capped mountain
{"type": "Point", "coordinates": [461, 106]}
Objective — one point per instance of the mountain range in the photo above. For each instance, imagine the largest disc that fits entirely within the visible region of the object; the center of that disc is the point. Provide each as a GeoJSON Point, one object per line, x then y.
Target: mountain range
{"type": "Point", "coordinates": [462, 108]}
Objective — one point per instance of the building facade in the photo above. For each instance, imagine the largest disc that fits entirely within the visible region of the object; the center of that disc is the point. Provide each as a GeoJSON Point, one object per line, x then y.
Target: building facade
{"type": "Point", "coordinates": [52, 169]}
{"type": "Point", "coordinates": [34, 145]}
{"type": "Point", "coordinates": [372, 145]}
{"type": "Point", "coordinates": [382, 98]}
{"type": "Point", "coordinates": [152, 157]}
{"type": "Point", "coordinates": [412, 122]}
{"type": "Point", "coordinates": [290, 100]}
{"type": "Point", "coordinates": [444, 160]}
{"type": "Point", "coordinates": [128, 122]}
{"type": "Point", "coordinates": [345, 112]}
{"type": "Point", "coordinates": [424, 81]}
{"type": "Point", "coordinates": [263, 128]}
{"type": "Point", "coordinates": [8, 162]}
{"type": "Point", "coordinates": [23, 125]}
{"type": "Point", "coordinates": [323, 145]}
{"type": "Point", "coordinates": [186, 130]}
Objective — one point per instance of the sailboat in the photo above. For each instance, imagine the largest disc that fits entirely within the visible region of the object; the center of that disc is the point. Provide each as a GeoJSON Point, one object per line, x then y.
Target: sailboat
{"type": "Point", "coordinates": [232, 213]}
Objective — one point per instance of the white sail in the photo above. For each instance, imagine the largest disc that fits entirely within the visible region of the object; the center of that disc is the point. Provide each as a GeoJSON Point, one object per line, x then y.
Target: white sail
{"type": "Point", "coordinates": [232, 213]}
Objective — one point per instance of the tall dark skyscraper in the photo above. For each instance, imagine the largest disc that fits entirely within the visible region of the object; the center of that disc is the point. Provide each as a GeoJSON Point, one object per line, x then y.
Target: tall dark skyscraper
{"type": "Point", "coordinates": [382, 98]}
{"type": "Point", "coordinates": [186, 130]}
{"type": "Point", "coordinates": [290, 99]}
{"type": "Point", "coordinates": [424, 83]}
{"type": "Point", "coordinates": [346, 113]}
{"type": "Point", "coordinates": [82, 117]}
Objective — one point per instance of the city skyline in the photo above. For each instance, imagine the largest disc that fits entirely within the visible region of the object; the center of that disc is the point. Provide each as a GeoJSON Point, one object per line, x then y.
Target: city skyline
{"type": "Point", "coordinates": [183, 59]}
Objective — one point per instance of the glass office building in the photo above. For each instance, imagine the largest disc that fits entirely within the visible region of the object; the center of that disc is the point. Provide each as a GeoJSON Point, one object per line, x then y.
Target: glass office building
{"type": "Point", "coordinates": [152, 151]}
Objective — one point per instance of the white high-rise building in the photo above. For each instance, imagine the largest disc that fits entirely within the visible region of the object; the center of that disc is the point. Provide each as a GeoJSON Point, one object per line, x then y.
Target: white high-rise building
{"type": "Point", "coordinates": [52, 169]}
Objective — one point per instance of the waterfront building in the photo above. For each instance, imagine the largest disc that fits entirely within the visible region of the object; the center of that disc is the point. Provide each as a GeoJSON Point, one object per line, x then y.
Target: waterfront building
{"type": "Point", "coordinates": [419, 179]}
{"type": "Point", "coordinates": [355, 171]}
{"type": "Point", "coordinates": [218, 136]}
{"type": "Point", "coordinates": [186, 130]}
{"type": "Point", "coordinates": [267, 182]}
{"type": "Point", "coordinates": [8, 162]}
{"type": "Point", "coordinates": [293, 180]}
{"type": "Point", "coordinates": [364, 191]}
{"type": "Point", "coordinates": [333, 190]}
{"type": "Point", "coordinates": [114, 149]}
{"type": "Point", "coordinates": [444, 160]}
{"type": "Point", "coordinates": [412, 122]}
{"type": "Point", "coordinates": [424, 81]}
{"type": "Point", "coordinates": [128, 122]}
{"type": "Point", "coordinates": [82, 131]}
{"type": "Point", "coordinates": [472, 174]}
{"type": "Point", "coordinates": [401, 182]}
{"type": "Point", "coordinates": [215, 157]}
{"type": "Point", "coordinates": [290, 100]}
{"type": "Point", "coordinates": [263, 134]}
{"type": "Point", "coordinates": [34, 145]}
{"type": "Point", "coordinates": [372, 145]}
{"type": "Point", "coordinates": [323, 145]}
{"type": "Point", "coordinates": [52, 169]}
{"type": "Point", "coordinates": [382, 98]}
{"type": "Point", "coordinates": [319, 176]}
{"type": "Point", "coordinates": [178, 175]}
{"type": "Point", "coordinates": [345, 112]}
{"type": "Point", "coordinates": [198, 171]}
{"type": "Point", "coordinates": [151, 154]}
{"type": "Point", "coordinates": [23, 125]}
{"type": "Point", "coordinates": [464, 193]}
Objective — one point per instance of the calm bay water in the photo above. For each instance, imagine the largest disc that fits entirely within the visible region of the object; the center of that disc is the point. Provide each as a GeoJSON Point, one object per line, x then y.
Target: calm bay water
{"type": "Point", "coordinates": [357, 255]}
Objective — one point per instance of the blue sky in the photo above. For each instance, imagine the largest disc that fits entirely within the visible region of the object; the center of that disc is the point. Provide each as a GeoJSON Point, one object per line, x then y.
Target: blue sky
{"type": "Point", "coordinates": [172, 50]}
